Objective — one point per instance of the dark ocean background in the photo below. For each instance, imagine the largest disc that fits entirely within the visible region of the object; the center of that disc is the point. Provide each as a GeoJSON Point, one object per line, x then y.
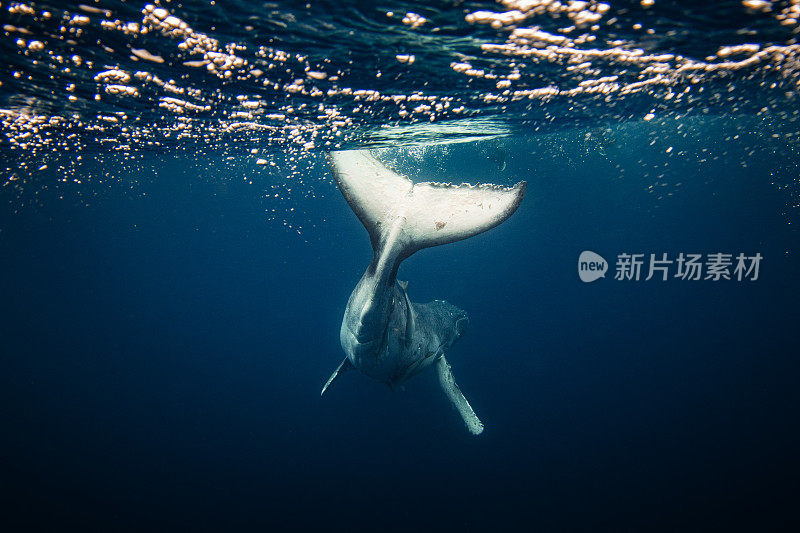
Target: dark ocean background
{"type": "Point", "coordinates": [163, 354]}
{"type": "Point", "coordinates": [175, 260]}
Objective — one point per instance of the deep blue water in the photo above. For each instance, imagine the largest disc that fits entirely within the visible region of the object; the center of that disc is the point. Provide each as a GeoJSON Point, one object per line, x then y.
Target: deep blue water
{"type": "Point", "coordinates": [163, 355]}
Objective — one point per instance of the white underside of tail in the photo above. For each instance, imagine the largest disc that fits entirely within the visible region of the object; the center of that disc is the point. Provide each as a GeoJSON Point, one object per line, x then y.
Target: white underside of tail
{"type": "Point", "coordinates": [432, 213]}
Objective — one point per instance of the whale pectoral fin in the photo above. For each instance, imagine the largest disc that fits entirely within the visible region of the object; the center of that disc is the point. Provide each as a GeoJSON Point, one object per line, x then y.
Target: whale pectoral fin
{"type": "Point", "coordinates": [449, 386]}
{"type": "Point", "coordinates": [344, 366]}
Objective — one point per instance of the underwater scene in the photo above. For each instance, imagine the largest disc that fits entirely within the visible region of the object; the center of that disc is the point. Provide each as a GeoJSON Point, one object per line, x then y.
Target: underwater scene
{"type": "Point", "coordinates": [513, 265]}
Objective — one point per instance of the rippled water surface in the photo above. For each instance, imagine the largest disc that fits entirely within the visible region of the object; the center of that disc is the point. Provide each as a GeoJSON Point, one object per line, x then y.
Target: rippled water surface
{"type": "Point", "coordinates": [253, 78]}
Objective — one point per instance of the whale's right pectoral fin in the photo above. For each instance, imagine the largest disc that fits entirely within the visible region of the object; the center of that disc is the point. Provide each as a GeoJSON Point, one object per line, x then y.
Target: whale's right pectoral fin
{"type": "Point", "coordinates": [344, 366]}
{"type": "Point", "coordinates": [450, 388]}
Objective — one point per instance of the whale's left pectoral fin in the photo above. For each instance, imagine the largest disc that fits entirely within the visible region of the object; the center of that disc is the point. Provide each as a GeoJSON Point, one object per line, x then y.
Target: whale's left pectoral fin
{"type": "Point", "coordinates": [450, 388]}
{"type": "Point", "coordinates": [344, 366]}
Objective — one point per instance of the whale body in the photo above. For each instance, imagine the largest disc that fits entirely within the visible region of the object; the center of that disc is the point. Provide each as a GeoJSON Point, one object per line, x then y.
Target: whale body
{"type": "Point", "coordinates": [383, 334]}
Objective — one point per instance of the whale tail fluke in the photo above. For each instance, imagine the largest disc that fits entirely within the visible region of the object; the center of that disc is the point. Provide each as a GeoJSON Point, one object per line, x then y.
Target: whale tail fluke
{"type": "Point", "coordinates": [418, 215]}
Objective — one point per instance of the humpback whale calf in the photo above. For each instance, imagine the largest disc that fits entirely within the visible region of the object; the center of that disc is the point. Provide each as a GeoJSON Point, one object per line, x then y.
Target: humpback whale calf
{"type": "Point", "coordinates": [384, 334]}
